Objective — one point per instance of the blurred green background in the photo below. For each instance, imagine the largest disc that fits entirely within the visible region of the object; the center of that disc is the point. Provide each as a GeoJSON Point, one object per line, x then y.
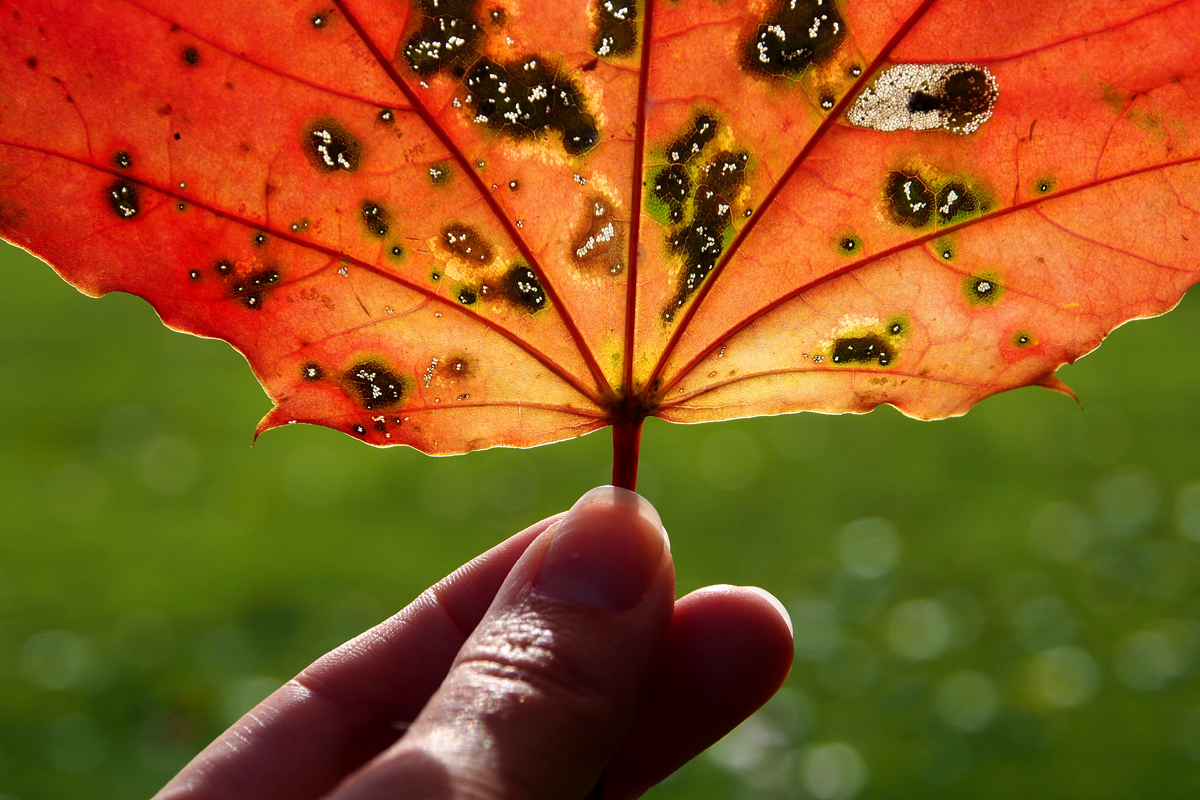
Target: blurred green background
{"type": "Point", "coordinates": [1000, 605]}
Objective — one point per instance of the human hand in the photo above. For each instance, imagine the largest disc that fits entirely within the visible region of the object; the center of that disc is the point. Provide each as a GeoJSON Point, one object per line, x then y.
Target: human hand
{"type": "Point", "coordinates": [555, 658]}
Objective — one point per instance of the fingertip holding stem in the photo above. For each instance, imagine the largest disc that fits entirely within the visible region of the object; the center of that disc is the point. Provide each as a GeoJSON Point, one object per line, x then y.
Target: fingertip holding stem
{"type": "Point", "coordinates": [776, 604]}
{"type": "Point", "coordinates": [605, 552]}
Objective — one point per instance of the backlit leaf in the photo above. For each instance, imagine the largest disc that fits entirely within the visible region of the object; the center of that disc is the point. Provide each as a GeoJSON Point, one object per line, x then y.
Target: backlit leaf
{"type": "Point", "coordinates": [456, 224]}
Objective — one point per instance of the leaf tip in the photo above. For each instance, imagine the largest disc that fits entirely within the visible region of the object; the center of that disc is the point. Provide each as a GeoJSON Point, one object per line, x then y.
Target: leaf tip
{"type": "Point", "coordinates": [1055, 384]}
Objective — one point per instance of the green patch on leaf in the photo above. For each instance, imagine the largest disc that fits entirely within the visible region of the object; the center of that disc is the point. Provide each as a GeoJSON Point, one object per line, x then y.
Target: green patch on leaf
{"type": "Point", "coordinates": [982, 290]}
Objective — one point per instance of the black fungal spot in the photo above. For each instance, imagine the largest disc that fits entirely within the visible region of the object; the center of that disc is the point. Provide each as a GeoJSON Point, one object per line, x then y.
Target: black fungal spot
{"type": "Point", "coordinates": [259, 239]}
{"type": "Point", "coordinates": [673, 186]}
{"type": "Point", "coordinates": [861, 350]}
{"type": "Point", "coordinates": [448, 37]}
{"type": "Point", "coordinates": [513, 186]}
{"type": "Point", "coordinates": [794, 35]}
{"type": "Point", "coordinates": [688, 146]}
{"type": "Point", "coordinates": [827, 102]}
{"type": "Point", "coordinates": [321, 18]}
{"type": "Point", "coordinates": [374, 385]}
{"type": "Point", "coordinates": [380, 426]}
{"type": "Point", "coordinates": [123, 197]}
{"type": "Point", "coordinates": [194, 274]}
{"type": "Point", "coordinates": [330, 147]}
{"type": "Point", "coordinates": [191, 56]}
{"type": "Point", "coordinates": [359, 429]}
{"type": "Point", "coordinates": [397, 251]}
{"type": "Point", "coordinates": [467, 297]}
{"type": "Point", "coordinates": [727, 171]}
{"type": "Point", "coordinates": [377, 219]}
{"type": "Point", "coordinates": [580, 135]}
{"type": "Point", "coordinates": [521, 285]}
{"type": "Point", "coordinates": [528, 99]}
{"type": "Point", "coordinates": [1022, 339]}
{"type": "Point", "coordinates": [387, 116]}
{"type": "Point", "coordinates": [965, 97]}
{"type": "Point", "coordinates": [250, 289]}
{"type": "Point", "coordinates": [896, 328]}
{"type": "Point", "coordinates": [701, 241]}
{"type": "Point", "coordinates": [982, 290]}
{"type": "Point", "coordinates": [181, 206]}
{"type": "Point", "coordinates": [955, 200]}
{"type": "Point", "coordinates": [176, 135]}
{"type": "Point", "coordinates": [616, 28]}
{"type": "Point", "coordinates": [908, 199]}
{"type": "Point", "coordinates": [466, 243]}
{"type": "Point", "coordinates": [439, 174]}
{"type": "Point", "coordinates": [122, 160]}
{"type": "Point", "coordinates": [850, 244]}
{"type": "Point", "coordinates": [31, 62]}
{"type": "Point", "coordinates": [1044, 185]}
{"type": "Point", "coordinates": [435, 276]}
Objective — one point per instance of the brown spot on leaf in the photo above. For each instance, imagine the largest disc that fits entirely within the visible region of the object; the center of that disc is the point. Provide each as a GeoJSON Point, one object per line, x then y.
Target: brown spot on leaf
{"type": "Point", "coordinates": [598, 241]}
{"type": "Point", "coordinates": [465, 242]}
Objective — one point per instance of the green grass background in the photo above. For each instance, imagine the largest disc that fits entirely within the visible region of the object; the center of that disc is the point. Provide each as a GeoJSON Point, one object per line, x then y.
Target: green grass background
{"type": "Point", "coordinates": [158, 575]}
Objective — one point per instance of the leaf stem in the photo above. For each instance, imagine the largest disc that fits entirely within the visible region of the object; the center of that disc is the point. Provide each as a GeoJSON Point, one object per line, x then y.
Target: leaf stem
{"type": "Point", "coordinates": [627, 442]}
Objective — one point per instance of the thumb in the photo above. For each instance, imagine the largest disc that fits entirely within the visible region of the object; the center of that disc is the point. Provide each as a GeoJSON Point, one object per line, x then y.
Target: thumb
{"type": "Point", "coordinates": [542, 693]}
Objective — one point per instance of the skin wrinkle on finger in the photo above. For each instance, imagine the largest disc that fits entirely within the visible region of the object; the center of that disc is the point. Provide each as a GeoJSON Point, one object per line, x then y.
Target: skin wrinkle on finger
{"type": "Point", "coordinates": [544, 690]}
{"type": "Point", "coordinates": [459, 600]}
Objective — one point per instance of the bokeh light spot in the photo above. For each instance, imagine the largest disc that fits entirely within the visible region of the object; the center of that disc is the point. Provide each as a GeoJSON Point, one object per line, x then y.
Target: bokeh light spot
{"type": "Point", "coordinates": [918, 629]}
{"type": "Point", "coordinates": [1066, 676]}
{"type": "Point", "coordinates": [869, 548]}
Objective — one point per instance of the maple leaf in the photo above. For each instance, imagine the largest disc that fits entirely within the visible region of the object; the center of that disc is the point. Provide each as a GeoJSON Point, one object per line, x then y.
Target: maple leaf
{"type": "Point", "coordinates": [456, 224]}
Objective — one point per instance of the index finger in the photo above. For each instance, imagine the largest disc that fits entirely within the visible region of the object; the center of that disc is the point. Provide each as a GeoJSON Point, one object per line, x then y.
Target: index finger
{"type": "Point", "coordinates": [354, 702]}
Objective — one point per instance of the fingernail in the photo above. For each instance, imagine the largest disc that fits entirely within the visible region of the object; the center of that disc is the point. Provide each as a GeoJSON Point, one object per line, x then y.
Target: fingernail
{"type": "Point", "coordinates": [778, 606]}
{"type": "Point", "coordinates": [605, 551]}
